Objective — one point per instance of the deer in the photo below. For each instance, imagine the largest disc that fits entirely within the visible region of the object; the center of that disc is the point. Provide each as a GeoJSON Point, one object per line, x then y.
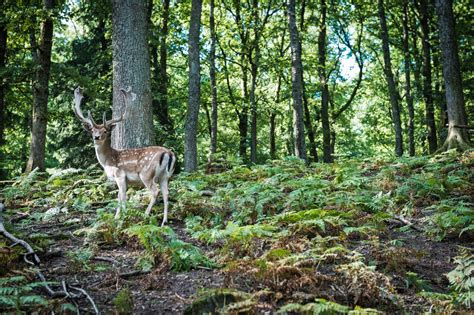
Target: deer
{"type": "Point", "coordinates": [145, 166]}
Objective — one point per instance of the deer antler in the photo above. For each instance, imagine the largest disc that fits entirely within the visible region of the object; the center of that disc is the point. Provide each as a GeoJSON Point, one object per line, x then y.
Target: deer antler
{"type": "Point", "coordinates": [88, 122]}
{"type": "Point", "coordinates": [128, 96]}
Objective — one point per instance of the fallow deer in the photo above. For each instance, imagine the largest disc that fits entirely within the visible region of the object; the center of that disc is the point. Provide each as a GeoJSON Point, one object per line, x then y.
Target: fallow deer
{"type": "Point", "coordinates": [146, 166]}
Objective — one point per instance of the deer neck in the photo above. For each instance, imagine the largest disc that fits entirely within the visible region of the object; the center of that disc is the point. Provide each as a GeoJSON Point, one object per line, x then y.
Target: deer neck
{"type": "Point", "coordinates": [105, 153]}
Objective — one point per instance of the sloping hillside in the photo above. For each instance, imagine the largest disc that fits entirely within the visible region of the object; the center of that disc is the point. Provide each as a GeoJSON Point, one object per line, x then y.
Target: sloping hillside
{"type": "Point", "coordinates": [351, 237]}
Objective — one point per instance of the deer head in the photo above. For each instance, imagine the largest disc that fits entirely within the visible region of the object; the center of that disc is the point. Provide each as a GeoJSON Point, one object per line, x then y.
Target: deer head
{"type": "Point", "coordinates": [100, 132]}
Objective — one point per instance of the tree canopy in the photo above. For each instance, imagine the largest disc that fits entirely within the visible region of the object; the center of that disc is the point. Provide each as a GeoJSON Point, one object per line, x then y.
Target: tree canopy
{"type": "Point", "coordinates": [345, 96]}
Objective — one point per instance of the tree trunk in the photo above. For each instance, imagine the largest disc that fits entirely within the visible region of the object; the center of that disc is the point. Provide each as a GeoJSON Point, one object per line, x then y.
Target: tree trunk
{"type": "Point", "coordinates": [327, 157]}
{"type": "Point", "coordinates": [3, 82]}
{"type": "Point", "coordinates": [243, 112]}
{"type": "Point", "coordinates": [212, 74]}
{"type": "Point", "coordinates": [391, 82]}
{"type": "Point", "coordinates": [254, 62]}
{"type": "Point", "coordinates": [439, 97]}
{"type": "Point", "coordinates": [41, 92]}
{"type": "Point", "coordinates": [408, 96]}
{"type": "Point", "coordinates": [427, 82]}
{"type": "Point", "coordinates": [131, 68]}
{"type": "Point", "coordinates": [160, 105]}
{"type": "Point", "coordinates": [296, 76]}
{"type": "Point", "coordinates": [457, 137]}
{"type": "Point", "coordinates": [241, 115]}
{"type": "Point", "coordinates": [307, 114]}
{"type": "Point", "coordinates": [417, 64]}
{"type": "Point", "coordinates": [272, 135]}
{"type": "Point", "coordinates": [190, 144]}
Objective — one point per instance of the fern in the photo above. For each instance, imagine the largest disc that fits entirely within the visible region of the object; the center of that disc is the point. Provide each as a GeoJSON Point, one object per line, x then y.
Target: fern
{"type": "Point", "coordinates": [462, 277]}
{"type": "Point", "coordinates": [163, 241]}
{"type": "Point", "coordinates": [16, 294]}
{"type": "Point", "coordinates": [319, 307]}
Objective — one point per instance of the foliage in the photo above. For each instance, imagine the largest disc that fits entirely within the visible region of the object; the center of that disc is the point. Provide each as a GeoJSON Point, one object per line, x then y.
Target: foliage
{"type": "Point", "coordinates": [123, 302]}
{"type": "Point", "coordinates": [162, 242]}
{"type": "Point", "coordinates": [462, 277]}
{"type": "Point", "coordinates": [80, 259]}
{"type": "Point", "coordinates": [17, 294]}
{"type": "Point", "coordinates": [356, 244]}
{"type": "Point", "coordinates": [323, 307]}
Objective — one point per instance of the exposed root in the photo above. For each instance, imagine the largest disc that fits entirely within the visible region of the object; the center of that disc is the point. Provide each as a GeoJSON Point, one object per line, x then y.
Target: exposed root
{"type": "Point", "coordinates": [455, 140]}
{"type": "Point", "coordinates": [32, 259]}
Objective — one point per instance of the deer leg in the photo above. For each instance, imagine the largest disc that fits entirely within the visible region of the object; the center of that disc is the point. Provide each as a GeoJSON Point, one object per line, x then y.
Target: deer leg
{"type": "Point", "coordinates": [165, 192]}
{"type": "Point", "coordinates": [122, 195]}
{"type": "Point", "coordinates": [154, 191]}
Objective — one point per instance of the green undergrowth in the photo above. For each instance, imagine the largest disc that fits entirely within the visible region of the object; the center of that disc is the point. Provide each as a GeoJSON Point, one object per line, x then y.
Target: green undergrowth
{"type": "Point", "coordinates": [326, 234]}
{"type": "Point", "coordinates": [353, 237]}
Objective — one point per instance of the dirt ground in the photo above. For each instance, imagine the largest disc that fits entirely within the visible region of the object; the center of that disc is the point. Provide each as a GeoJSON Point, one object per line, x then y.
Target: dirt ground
{"type": "Point", "coordinates": [164, 291]}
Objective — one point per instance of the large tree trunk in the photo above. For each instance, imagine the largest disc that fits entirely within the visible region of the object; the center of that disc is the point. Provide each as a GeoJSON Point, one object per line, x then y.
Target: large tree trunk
{"type": "Point", "coordinates": [457, 135]}
{"type": "Point", "coordinates": [427, 82]}
{"type": "Point", "coordinates": [3, 82]}
{"type": "Point", "coordinates": [41, 92]}
{"type": "Point", "coordinates": [131, 68]}
{"type": "Point", "coordinates": [408, 96]}
{"type": "Point", "coordinates": [190, 138]}
{"type": "Point", "coordinates": [212, 74]}
{"type": "Point", "coordinates": [327, 156]}
{"type": "Point", "coordinates": [391, 82]}
{"type": "Point", "coordinates": [296, 76]}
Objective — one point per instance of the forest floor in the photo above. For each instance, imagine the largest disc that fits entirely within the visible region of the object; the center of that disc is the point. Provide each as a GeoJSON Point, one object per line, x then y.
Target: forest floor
{"type": "Point", "coordinates": [358, 237]}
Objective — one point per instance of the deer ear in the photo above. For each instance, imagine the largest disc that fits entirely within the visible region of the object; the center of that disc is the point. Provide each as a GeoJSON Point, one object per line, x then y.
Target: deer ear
{"type": "Point", "coordinates": [87, 127]}
{"type": "Point", "coordinates": [111, 127]}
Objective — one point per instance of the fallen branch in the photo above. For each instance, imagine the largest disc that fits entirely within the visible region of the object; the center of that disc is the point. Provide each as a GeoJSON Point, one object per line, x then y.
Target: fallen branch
{"type": "Point", "coordinates": [107, 259]}
{"type": "Point", "coordinates": [19, 217]}
{"type": "Point", "coordinates": [409, 223]}
{"type": "Point", "coordinates": [132, 273]}
{"type": "Point", "coordinates": [35, 262]}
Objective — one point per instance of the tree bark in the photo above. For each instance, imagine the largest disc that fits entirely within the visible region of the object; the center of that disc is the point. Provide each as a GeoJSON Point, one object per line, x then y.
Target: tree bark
{"type": "Point", "coordinates": [273, 135]}
{"type": "Point", "coordinates": [408, 96]}
{"type": "Point", "coordinates": [457, 137]}
{"type": "Point", "coordinates": [254, 63]}
{"type": "Point", "coordinates": [3, 82]}
{"type": "Point", "coordinates": [417, 64]}
{"type": "Point", "coordinates": [296, 70]}
{"type": "Point", "coordinates": [242, 113]}
{"type": "Point", "coordinates": [427, 82]}
{"type": "Point", "coordinates": [42, 57]}
{"type": "Point", "coordinates": [131, 68]}
{"type": "Point", "coordinates": [439, 98]}
{"type": "Point", "coordinates": [327, 157]}
{"type": "Point", "coordinates": [307, 114]}
{"type": "Point", "coordinates": [190, 145]}
{"type": "Point", "coordinates": [391, 82]}
{"type": "Point", "coordinates": [212, 74]}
